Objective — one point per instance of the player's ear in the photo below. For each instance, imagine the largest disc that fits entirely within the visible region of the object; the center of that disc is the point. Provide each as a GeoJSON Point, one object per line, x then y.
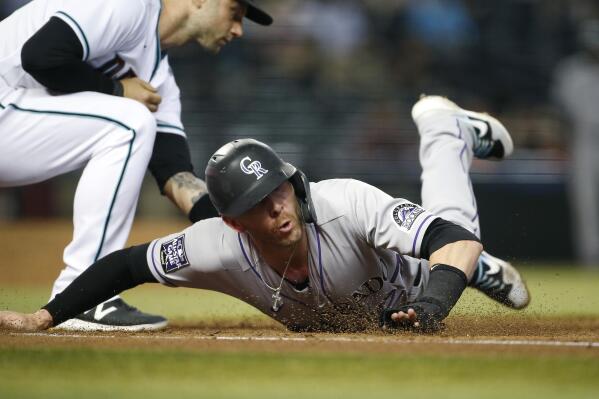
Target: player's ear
{"type": "Point", "coordinates": [234, 224]}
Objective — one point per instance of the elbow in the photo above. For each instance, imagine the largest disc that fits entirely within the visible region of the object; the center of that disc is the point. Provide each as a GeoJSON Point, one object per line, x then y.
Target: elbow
{"type": "Point", "coordinates": [477, 247]}
{"type": "Point", "coordinates": [471, 248]}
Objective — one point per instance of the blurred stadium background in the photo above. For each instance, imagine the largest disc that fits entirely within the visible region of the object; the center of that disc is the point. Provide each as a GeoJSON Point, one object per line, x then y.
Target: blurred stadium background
{"type": "Point", "coordinates": [331, 85]}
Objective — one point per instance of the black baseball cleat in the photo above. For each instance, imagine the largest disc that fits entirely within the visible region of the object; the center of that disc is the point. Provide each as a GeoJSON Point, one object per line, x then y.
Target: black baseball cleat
{"type": "Point", "coordinates": [500, 281]}
{"type": "Point", "coordinates": [490, 138]}
{"type": "Point", "coordinates": [114, 315]}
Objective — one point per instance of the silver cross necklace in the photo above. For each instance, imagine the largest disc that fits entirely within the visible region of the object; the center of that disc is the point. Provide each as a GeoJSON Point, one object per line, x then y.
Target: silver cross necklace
{"type": "Point", "coordinates": [276, 296]}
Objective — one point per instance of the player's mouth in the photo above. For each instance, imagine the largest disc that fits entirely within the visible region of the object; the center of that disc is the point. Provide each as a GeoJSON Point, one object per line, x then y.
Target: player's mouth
{"type": "Point", "coordinates": [286, 227]}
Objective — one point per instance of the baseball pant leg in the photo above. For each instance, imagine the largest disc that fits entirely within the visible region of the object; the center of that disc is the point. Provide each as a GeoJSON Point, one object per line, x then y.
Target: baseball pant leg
{"type": "Point", "coordinates": [446, 156]}
{"type": "Point", "coordinates": [111, 138]}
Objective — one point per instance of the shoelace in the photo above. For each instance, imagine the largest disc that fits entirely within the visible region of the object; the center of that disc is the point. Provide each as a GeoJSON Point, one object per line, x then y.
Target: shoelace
{"type": "Point", "coordinates": [487, 281]}
{"type": "Point", "coordinates": [482, 147]}
{"type": "Point", "coordinates": [121, 303]}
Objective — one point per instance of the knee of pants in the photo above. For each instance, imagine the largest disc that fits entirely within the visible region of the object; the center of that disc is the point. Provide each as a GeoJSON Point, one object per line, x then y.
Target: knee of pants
{"type": "Point", "coordinates": [137, 117]}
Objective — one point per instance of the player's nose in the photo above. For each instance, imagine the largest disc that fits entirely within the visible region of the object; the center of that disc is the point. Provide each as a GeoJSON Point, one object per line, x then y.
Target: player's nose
{"type": "Point", "coordinates": [237, 29]}
{"type": "Point", "coordinates": [275, 206]}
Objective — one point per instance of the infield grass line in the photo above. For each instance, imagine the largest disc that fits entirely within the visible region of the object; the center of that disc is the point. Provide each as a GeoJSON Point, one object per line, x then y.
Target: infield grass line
{"type": "Point", "coordinates": [443, 341]}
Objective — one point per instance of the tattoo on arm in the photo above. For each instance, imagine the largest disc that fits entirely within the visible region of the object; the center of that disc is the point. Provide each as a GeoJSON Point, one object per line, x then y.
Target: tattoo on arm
{"type": "Point", "coordinates": [187, 181]}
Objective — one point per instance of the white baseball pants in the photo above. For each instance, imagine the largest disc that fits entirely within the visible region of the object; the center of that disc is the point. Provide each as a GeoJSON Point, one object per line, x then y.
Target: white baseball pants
{"type": "Point", "coordinates": [111, 138]}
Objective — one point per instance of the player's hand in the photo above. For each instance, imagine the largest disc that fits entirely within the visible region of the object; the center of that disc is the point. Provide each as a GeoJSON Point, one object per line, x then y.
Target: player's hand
{"type": "Point", "coordinates": [15, 321]}
{"type": "Point", "coordinates": [421, 316]}
{"type": "Point", "coordinates": [407, 318]}
{"type": "Point", "coordinates": [140, 90]}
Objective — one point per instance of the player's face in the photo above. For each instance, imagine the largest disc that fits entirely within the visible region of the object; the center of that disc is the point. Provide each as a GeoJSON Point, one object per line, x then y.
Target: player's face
{"type": "Point", "coordinates": [276, 219]}
{"type": "Point", "coordinates": [219, 23]}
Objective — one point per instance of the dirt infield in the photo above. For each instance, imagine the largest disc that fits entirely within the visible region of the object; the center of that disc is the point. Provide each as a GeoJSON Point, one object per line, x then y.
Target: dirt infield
{"type": "Point", "coordinates": [469, 334]}
{"type": "Point", "coordinates": [569, 338]}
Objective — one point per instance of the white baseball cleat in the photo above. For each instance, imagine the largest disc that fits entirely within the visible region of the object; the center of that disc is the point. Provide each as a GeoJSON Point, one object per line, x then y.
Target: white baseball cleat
{"type": "Point", "coordinates": [500, 281]}
{"type": "Point", "coordinates": [490, 139]}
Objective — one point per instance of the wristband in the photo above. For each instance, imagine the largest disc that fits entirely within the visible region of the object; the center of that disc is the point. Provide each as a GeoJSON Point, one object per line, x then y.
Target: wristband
{"type": "Point", "coordinates": [117, 88]}
{"type": "Point", "coordinates": [202, 209]}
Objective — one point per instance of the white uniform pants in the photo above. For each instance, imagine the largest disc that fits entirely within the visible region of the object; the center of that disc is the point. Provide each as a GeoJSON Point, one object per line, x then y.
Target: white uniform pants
{"type": "Point", "coordinates": [111, 138]}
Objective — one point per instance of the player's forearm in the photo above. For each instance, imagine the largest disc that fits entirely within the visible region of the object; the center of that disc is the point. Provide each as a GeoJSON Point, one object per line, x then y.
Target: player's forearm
{"type": "Point", "coordinates": [171, 167]}
{"type": "Point", "coordinates": [189, 193]}
{"type": "Point", "coordinates": [184, 189]}
{"type": "Point", "coordinates": [462, 255]}
{"type": "Point", "coordinates": [173, 171]}
{"type": "Point", "coordinates": [452, 267]}
{"type": "Point", "coordinates": [109, 276]}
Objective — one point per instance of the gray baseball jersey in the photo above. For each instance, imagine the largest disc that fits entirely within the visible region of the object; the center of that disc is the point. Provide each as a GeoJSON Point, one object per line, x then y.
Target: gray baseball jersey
{"type": "Point", "coordinates": [363, 256]}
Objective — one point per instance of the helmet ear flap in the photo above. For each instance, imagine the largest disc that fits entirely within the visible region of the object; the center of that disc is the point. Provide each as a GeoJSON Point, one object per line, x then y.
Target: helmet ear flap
{"type": "Point", "coordinates": [301, 185]}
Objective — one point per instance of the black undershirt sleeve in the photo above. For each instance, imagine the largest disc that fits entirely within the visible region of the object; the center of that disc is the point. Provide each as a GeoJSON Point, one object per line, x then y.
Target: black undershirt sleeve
{"type": "Point", "coordinates": [109, 276]}
{"type": "Point", "coordinates": [440, 233]}
{"type": "Point", "coordinates": [169, 157]}
{"type": "Point", "coordinates": [54, 57]}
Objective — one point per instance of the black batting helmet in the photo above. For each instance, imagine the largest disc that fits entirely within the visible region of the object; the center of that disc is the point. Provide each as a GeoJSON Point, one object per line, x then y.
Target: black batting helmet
{"type": "Point", "coordinates": [243, 172]}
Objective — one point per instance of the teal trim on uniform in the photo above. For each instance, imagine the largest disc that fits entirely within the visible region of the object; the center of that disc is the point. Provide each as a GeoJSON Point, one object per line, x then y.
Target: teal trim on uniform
{"type": "Point", "coordinates": [170, 127]}
{"type": "Point", "coordinates": [158, 50]}
{"type": "Point", "coordinates": [86, 43]}
{"type": "Point", "coordinates": [105, 118]}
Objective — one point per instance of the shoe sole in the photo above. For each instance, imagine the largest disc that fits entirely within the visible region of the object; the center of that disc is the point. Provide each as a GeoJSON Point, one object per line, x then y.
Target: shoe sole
{"type": "Point", "coordinates": [81, 325]}
{"type": "Point", "coordinates": [438, 103]}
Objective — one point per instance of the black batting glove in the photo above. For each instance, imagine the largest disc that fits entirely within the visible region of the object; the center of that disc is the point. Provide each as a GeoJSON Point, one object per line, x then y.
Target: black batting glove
{"type": "Point", "coordinates": [445, 286]}
{"type": "Point", "coordinates": [429, 317]}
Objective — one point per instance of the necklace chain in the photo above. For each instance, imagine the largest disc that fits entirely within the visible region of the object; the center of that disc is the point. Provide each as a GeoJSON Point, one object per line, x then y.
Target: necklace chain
{"type": "Point", "coordinates": [276, 296]}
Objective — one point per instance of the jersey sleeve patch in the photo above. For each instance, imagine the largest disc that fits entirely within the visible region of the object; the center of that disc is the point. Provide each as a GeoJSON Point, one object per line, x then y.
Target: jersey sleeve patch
{"type": "Point", "coordinates": [172, 254]}
{"type": "Point", "coordinates": [404, 215]}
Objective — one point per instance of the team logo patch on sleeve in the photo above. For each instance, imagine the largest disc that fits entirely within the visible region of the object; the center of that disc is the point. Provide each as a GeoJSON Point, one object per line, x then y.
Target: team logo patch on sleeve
{"type": "Point", "coordinates": [172, 254]}
{"type": "Point", "coordinates": [405, 215]}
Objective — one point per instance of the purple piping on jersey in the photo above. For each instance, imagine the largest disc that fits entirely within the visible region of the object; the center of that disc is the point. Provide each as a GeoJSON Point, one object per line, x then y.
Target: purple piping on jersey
{"type": "Point", "coordinates": [166, 280]}
{"type": "Point", "coordinates": [320, 260]}
{"type": "Point", "coordinates": [398, 262]}
{"type": "Point", "coordinates": [391, 299]}
{"type": "Point", "coordinates": [463, 148]}
{"type": "Point", "coordinates": [465, 171]}
{"type": "Point", "coordinates": [417, 234]}
{"type": "Point", "coordinates": [247, 259]}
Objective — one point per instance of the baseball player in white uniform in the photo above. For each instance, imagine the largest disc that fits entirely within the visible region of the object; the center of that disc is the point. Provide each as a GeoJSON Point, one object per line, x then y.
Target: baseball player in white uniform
{"type": "Point", "coordinates": [336, 255]}
{"type": "Point", "coordinates": [87, 85]}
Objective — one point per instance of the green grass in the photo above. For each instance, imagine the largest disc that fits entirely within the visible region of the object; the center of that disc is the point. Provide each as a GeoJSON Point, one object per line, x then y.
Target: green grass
{"type": "Point", "coordinates": [175, 373]}
{"type": "Point", "coordinates": [85, 373]}
{"type": "Point", "coordinates": [555, 291]}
